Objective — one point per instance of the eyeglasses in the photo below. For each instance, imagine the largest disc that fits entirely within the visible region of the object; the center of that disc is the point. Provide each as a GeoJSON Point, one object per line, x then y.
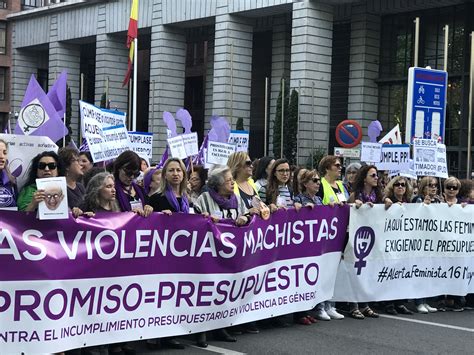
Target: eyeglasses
{"type": "Point", "coordinates": [283, 171]}
{"type": "Point", "coordinates": [248, 162]}
{"type": "Point", "coordinates": [374, 176]}
{"type": "Point", "coordinates": [451, 187]}
{"type": "Point", "coordinates": [338, 165]}
{"type": "Point", "coordinates": [53, 196]}
{"type": "Point", "coordinates": [399, 184]}
{"type": "Point", "coordinates": [433, 186]}
{"type": "Point", "coordinates": [316, 180]}
{"type": "Point", "coordinates": [131, 173]}
{"type": "Point", "coordinates": [42, 166]}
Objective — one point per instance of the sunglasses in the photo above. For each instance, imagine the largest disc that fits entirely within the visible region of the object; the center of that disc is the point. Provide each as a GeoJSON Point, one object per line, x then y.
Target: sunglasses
{"type": "Point", "coordinates": [131, 173]}
{"type": "Point", "coordinates": [248, 162]}
{"type": "Point", "coordinates": [451, 187]}
{"type": "Point", "coordinates": [374, 176]}
{"type": "Point", "coordinates": [316, 180]}
{"type": "Point", "coordinates": [42, 166]}
{"type": "Point", "coordinates": [433, 186]}
{"type": "Point", "coordinates": [283, 171]}
{"type": "Point", "coordinates": [399, 184]}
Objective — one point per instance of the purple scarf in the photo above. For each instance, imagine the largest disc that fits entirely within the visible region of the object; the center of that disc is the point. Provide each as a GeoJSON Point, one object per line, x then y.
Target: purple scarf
{"type": "Point", "coordinates": [372, 197]}
{"type": "Point", "coordinates": [123, 198]}
{"type": "Point", "coordinates": [173, 201]}
{"type": "Point", "coordinates": [224, 203]}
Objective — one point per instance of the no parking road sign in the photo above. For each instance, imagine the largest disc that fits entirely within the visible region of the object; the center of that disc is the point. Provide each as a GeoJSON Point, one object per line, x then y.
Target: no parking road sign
{"type": "Point", "coordinates": [348, 133]}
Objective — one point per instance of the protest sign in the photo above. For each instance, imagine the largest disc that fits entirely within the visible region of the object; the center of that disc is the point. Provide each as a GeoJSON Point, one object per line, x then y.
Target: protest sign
{"type": "Point", "coordinates": [408, 251]}
{"type": "Point", "coordinates": [105, 132]}
{"type": "Point", "coordinates": [190, 142]}
{"type": "Point", "coordinates": [142, 144]}
{"type": "Point", "coordinates": [54, 205]}
{"type": "Point", "coordinates": [392, 137]}
{"type": "Point", "coordinates": [22, 150]}
{"type": "Point", "coordinates": [371, 152]}
{"type": "Point", "coordinates": [394, 157]}
{"type": "Point", "coordinates": [177, 149]}
{"type": "Point", "coordinates": [429, 158]}
{"type": "Point", "coordinates": [218, 153]}
{"type": "Point", "coordinates": [442, 168]}
{"type": "Point", "coordinates": [240, 139]}
{"type": "Point", "coordinates": [119, 277]}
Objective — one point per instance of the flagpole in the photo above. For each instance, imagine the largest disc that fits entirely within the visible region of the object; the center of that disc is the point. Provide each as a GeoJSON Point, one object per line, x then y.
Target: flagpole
{"type": "Point", "coordinates": [135, 81]}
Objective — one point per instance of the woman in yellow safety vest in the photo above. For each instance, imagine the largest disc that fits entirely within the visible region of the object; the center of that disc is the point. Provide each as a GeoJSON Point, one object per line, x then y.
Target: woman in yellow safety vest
{"type": "Point", "coordinates": [332, 192]}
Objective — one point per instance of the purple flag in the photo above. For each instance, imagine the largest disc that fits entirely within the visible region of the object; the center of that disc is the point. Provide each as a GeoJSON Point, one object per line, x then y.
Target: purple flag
{"type": "Point", "coordinates": [38, 117]}
{"type": "Point", "coordinates": [57, 94]}
{"type": "Point", "coordinates": [164, 158]}
{"type": "Point", "coordinates": [84, 147]}
{"type": "Point", "coordinates": [199, 158]}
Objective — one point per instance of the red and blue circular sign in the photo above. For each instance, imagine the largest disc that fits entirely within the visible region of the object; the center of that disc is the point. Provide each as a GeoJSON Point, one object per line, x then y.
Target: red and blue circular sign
{"type": "Point", "coordinates": [348, 133]}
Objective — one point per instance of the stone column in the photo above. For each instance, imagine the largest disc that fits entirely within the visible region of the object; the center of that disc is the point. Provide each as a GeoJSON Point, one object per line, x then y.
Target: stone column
{"type": "Point", "coordinates": [232, 68]}
{"type": "Point", "coordinates": [311, 52]}
{"type": "Point", "coordinates": [66, 56]}
{"type": "Point", "coordinates": [364, 67]}
{"type": "Point", "coordinates": [111, 63]}
{"type": "Point", "coordinates": [167, 70]}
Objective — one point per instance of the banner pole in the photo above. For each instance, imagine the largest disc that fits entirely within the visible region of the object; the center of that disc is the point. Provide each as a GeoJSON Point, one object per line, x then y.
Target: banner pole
{"type": "Point", "coordinates": [469, 120]}
{"type": "Point", "coordinates": [312, 126]}
{"type": "Point", "coordinates": [282, 115]}
{"type": "Point", "coordinates": [265, 135]}
{"type": "Point", "coordinates": [446, 47]}
{"type": "Point", "coordinates": [135, 85]}
{"type": "Point", "coordinates": [298, 125]}
{"type": "Point", "coordinates": [417, 41]}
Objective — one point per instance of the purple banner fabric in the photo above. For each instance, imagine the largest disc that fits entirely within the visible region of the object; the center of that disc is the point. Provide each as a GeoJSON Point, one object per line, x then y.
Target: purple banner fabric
{"type": "Point", "coordinates": [57, 94]}
{"type": "Point", "coordinates": [124, 244]}
{"type": "Point", "coordinates": [53, 128]}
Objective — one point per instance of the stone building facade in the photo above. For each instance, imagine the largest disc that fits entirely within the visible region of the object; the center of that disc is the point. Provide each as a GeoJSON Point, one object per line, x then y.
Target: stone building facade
{"type": "Point", "coordinates": [346, 58]}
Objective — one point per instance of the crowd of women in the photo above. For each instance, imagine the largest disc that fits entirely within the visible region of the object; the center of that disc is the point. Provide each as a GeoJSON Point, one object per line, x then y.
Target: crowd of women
{"type": "Point", "coordinates": [238, 191]}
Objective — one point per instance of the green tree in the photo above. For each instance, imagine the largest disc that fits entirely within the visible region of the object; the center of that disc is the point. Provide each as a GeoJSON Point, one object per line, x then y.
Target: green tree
{"type": "Point", "coordinates": [290, 143]}
{"type": "Point", "coordinates": [239, 126]}
{"type": "Point", "coordinates": [315, 157]}
{"type": "Point", "coordinates": [277, 122]}
{"type": "Point", "coordinates": [103, 101]}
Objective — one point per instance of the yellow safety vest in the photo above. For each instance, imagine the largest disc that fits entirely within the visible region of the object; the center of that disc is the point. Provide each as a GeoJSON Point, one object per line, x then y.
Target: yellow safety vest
{"type": "Point", "coordinates": [329, 194]}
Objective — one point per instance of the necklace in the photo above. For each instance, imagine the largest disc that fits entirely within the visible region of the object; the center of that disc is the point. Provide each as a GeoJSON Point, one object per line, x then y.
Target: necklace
{"type": "Point", "coordinates": [246, 188]}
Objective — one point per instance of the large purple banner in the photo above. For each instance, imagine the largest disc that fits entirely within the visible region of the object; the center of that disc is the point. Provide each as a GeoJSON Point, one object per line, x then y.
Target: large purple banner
{"type": "Point", "coordinates": [119, 276]}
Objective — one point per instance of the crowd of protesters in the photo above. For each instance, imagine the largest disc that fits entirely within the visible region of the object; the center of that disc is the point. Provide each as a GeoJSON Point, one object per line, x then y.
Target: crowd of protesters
{"type": "Point", "coordinates": [238, 191]}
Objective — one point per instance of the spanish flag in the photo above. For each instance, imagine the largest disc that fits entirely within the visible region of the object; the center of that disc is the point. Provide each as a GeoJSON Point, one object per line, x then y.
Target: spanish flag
{"type": "Point", "coordinates": [131, 35]}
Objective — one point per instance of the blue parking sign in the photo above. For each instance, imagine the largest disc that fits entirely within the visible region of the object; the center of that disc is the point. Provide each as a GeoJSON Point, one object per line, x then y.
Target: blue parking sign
{"type": "Point", "coordinates": [426, 104]}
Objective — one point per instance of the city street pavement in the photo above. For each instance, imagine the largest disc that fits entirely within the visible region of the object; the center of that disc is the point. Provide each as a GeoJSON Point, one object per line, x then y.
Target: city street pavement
{"type": "Point", "coordinates": [437, 333]}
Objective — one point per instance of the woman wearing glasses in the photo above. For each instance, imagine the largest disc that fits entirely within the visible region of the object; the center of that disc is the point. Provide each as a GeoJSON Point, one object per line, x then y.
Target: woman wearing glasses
{"type": "Point", "coordinates": [451, 189]}
{"type": "Point", "coordinates": [367, 190]}
{"type": "Point", "coordinates": [240, 165]}
{"type": "Point", "coordinates": [8, 190]}
{"type": "Point", "coordinates": [278, 192]}
{"type": "Point", "coordinates": [44, 165]}
{"type": "Point", "coordinates": [399, 191]}
{"type": "Point", "coordinates": [130, 196]}
{"type": "Point", "coordinates": [72, 170]}
{"type": "Point", "coordinates": [428, 191]}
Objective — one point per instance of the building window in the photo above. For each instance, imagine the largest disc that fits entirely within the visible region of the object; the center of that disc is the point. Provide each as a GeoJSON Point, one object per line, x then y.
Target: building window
{"type": "Point", "coordinates": [3, 4]}
{"type": "Point", "coordinates": [3, 37]}
{"type": "Point", "coordinates": [3, 86]}
{"type": "Point", "coordinates": [396, 56]}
